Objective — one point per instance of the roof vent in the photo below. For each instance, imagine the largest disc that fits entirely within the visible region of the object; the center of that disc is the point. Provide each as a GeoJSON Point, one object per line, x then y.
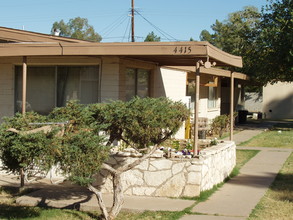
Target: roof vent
{"type": "Point", "coordinates": [56, 32]}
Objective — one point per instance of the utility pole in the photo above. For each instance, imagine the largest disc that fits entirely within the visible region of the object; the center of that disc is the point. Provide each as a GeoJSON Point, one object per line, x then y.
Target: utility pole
{"type": "Point", "coordinates": [132, 21]}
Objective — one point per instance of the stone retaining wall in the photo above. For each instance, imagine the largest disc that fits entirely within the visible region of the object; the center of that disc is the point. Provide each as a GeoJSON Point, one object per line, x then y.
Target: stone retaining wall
{"type": "Point", "coordinates": [173, 177]}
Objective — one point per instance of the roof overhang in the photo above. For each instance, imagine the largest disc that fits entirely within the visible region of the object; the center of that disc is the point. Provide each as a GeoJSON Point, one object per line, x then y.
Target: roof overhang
{"type": "Point", "coordinates": [211, 71]}
{"type": "Point", "coordinates": [14, 35]}
{"type": "Point", "coordinates": [162, 53]}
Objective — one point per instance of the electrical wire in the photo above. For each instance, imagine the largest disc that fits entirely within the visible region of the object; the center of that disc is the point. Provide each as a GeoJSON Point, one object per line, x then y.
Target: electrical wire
{"type": "Point", "coordinates": [158, 29]}
{"type": "Point", "coordinates": [128, 24]}
{"type": "Point", "coordinates": [107, 30]}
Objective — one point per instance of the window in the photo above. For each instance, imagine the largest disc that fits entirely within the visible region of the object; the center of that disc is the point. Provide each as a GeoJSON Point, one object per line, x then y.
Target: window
{"type": "Point", "coordinates": [137, 83]}
{"type": "Point", "coordinates": [212, 101]}
{"type": "Point", "coordinates": [48, 87]}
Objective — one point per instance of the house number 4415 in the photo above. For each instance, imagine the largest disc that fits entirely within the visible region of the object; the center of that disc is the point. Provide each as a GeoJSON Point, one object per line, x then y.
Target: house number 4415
{"type": "Point", "coordinates": [182, 50]}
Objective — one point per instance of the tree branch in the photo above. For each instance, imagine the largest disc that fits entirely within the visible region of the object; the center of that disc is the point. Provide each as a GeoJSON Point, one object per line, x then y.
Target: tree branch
{"type": "Point", "coordinates": [100, 201]}
{"type": "Point", "coordinates": [138, 161]}
{"type": "Point", "coordinates": [109, 168]}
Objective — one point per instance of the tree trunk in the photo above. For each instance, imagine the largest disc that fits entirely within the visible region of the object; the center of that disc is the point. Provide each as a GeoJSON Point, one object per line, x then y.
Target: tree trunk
{"type": "Point", "coordinates": [21, 177]}
{"type": "Point", "coordinates": [118, 197]}
{"type": "Point", "coordinates": [100, 201]}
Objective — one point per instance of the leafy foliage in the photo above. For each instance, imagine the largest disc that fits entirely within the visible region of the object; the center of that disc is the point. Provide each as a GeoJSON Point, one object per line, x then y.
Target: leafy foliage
{"type": "Point", "coordinates": [141, 122]}
{"type": "Point", "coordinates": [82, 146]}
{"type": "Point", "coordinates": [25, 151]}
{"type": "Point", "coordinates": [77, 28]}
{"type": "Point", "coordinates": [236, 35]}
{"type": "Point", "coordinates": [82, 150]}
{"type": "Point", "coordinates": [220, 124]}
{"type": "Point", "coordinates": [151, 37]}
{"type": "Point", "coordinates": [275, 42]}
{"type": "Point", "coordinates": [264, 40]}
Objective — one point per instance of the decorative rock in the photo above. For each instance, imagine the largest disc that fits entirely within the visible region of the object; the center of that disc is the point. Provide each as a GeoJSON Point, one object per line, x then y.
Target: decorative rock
{"type": "Point", "coordinates": [173, 177]}
{"type": "Point", "coordinates": [194, 168]}
{"type": "Point", "coordinates": [194, 178]}
{"type": "Point", "coordinates": [144, 165]}
{"type": "Point", "coordinates": [132, 177]}
{"type": "Point", "coordinates": [191, 190]}
{"type": "Point", "coordinates": [161, 164]}
{"type": "Point", "coordinates": [172, 188]}
{"type": "Point", "coordinates": [176, 168]}
{"type": "Point", "coordinates": [156, 178]}
{"type": "Point", "coordinates": [143, 191]}
{"type": "Point", "coordinates": [157, 154]}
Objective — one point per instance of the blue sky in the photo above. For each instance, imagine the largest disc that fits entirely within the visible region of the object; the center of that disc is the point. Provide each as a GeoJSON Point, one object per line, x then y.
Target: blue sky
{"type": "Point", "coordinates": [178, 19]}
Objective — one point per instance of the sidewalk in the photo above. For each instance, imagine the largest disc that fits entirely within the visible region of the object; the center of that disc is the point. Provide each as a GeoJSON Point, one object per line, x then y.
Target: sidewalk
{"type": "Point", "coordinates": [238, 197]}
{"type": "Point", "coordinates": [235, 200]}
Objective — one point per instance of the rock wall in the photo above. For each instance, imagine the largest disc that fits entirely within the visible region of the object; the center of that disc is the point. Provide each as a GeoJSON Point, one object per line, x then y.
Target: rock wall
{"type": "Point", "coordinates": [173, 177]}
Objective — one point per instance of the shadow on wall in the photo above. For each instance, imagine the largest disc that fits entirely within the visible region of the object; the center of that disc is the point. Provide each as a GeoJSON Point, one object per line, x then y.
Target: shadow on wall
{"type": "Point", "coordinates": [158, 85]}
{"type": "Point", "coordinates": [279, 108]}
{"type": "Point", "coordinates": [253, 101]}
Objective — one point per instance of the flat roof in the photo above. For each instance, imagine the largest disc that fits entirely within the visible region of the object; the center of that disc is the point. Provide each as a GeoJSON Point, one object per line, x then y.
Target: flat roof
{"type": "Point", "coordinates": [163, 53]}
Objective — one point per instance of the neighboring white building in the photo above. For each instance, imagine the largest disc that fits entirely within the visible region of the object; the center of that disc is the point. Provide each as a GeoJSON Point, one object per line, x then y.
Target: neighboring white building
{"type": "Point", "coordinates": [278, 101]}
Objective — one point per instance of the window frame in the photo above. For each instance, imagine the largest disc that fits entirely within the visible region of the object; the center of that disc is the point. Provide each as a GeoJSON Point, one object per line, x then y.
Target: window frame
{"type": "Point", "coordinates": [18, 71]}
{"type": "Point", "coordinates": [136, 79]}
{"type": "Point", "coordinates": [212, 97]}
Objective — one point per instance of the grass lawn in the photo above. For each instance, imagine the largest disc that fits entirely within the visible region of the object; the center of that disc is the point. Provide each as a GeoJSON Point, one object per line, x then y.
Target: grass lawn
{"type": "Point", "coordinates": [272, 138]}
{"type": "Point", "coordinates": [278, 200]}
{"type": "Point", "coordinates": [9, 210]}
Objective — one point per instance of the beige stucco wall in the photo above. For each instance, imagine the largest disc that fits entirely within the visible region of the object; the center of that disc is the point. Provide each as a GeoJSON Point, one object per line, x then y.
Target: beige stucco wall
{"type": "Point", "coordinates": [172, 84]}
{"type": "Point", "coordinates": [109, 79]}
{"type": "Point", "coordinates": [6, 90]}
{"type": "Point", "coordinates": [278, 101]}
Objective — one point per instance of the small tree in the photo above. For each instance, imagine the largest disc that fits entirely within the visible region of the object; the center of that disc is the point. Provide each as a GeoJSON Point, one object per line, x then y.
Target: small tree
{"type": "Point", "coordinates": [141, 123]}
{"type": "Point", "coordinates": [82, 150]}
{"type": "Point", "coordinates": [22, 150]}
{"type": "Point", "coordinates": [77, 28]}
{"type": "Point", "coordinates": [151, 37]}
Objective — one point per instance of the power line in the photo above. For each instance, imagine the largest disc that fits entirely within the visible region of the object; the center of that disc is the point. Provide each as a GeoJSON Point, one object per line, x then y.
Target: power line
{"type": "Point", "coordinates": [126, 30]}
{"type": "Point", "coordinates": [110, 28]}
{"type": "Point", "coordinates": [157, 28]}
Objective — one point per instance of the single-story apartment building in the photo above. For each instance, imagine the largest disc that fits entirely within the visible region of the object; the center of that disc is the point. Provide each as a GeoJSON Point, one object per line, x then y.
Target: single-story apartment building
{"type": "Point", "coordinates": [39, 72]}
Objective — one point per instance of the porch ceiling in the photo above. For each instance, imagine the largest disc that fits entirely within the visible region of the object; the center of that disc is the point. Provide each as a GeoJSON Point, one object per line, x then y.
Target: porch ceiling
{"type": "Point", "coordinates": [162, 53]}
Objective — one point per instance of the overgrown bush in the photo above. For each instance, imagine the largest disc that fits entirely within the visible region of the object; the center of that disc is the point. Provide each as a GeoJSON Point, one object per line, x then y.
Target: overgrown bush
{"type": "Point", "coordinates": [221, 124]}
{"type": "Point", "coordinates": [19, 150]}
{"type": "Point", "coordinates": [83, 148]}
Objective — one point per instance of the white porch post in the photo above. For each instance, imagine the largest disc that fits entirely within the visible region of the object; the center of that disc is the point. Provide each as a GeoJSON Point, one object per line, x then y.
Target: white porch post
{"type": "Point", "coordinates": [196, 110]}
{"type": "Point", "coordinates": [231, 106]}
{"type": "Point", "coordinates": [24, 83]}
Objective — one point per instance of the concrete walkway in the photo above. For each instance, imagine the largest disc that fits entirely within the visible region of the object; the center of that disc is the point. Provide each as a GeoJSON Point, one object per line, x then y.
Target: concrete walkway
{"type": "Point", "coordinates": [238, 197]}
{"type": "Point", "coordinates": [244, 135]}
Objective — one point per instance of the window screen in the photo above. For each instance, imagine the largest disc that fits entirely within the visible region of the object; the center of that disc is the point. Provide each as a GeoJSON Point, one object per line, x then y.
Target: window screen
{"type": "Point", "coordinates": [48, 87]}
{"type": "Point", "coordinates": [137, 83]}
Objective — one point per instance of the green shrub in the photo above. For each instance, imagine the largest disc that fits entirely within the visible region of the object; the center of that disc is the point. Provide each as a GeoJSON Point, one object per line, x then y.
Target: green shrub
{"type": "Point", "coordinates": [25, 151]}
